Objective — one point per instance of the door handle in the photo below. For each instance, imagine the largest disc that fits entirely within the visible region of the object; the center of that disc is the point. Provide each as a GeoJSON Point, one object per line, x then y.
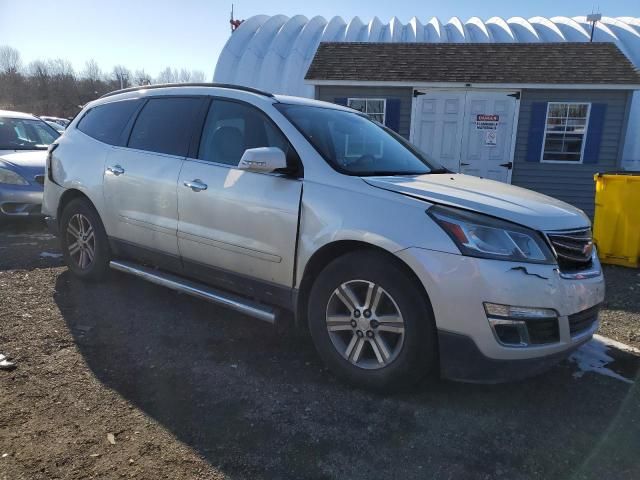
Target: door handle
{"type": "Point", "coordinates": [465, 164]}
{"type": "Point", "coordinates": [508, 165]}
{"type": "Point", "coordinates": [196, 185]}
{"type": "Point", "coordinates": [115, 170]}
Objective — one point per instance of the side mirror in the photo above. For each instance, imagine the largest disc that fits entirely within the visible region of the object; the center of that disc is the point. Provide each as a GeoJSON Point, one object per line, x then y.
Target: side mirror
{"type": "Point", "coordinates": [263, 159]}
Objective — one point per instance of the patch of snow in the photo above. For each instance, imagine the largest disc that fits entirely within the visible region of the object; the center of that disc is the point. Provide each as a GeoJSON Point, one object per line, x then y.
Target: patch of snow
{"type": "Point", "coordinates": [50, 255]}
{"type": "Point", "coordinates": [592, 357]}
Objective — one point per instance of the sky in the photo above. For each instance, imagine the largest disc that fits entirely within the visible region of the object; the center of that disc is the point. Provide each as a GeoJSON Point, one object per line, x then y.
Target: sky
{"type": "Point", "coordinates": [154, 34]}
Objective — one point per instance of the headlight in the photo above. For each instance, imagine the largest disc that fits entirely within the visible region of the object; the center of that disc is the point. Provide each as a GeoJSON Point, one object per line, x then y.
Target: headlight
{"type": "Point", "coordinates": [11, 177]}
{"type": "Point", "coordinates": [483, 236]}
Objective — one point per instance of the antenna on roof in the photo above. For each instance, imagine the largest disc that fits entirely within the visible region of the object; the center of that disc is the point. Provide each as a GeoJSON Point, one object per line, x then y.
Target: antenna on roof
{"type": "Point", "coordinates": [234, 23]}
{"type": "Point", "coordinates": [593, 18]}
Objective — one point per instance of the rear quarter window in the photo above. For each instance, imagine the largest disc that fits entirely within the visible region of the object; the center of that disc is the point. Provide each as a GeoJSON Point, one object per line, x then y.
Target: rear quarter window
{"type": "Point", "coordinates": [107, 122]}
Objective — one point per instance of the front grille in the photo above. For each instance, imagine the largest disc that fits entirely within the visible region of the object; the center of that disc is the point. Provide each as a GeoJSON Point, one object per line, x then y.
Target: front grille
{"type": "Point", "coordinates": [573, 248]}
{"type": "Point", "coordinates": [581, 321]}
{"type": "Point", "coordinates": [39, 179]}
{"type": "Point", "coordinates": [543, 331]}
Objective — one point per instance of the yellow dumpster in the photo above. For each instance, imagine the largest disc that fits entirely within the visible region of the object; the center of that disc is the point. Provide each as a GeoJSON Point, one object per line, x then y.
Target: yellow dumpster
{"type": "Point", "coordinates": [616, 227]}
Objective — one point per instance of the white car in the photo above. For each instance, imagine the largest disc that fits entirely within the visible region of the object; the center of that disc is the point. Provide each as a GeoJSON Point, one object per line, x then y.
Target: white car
{"type": "Point", "coordinates": [272, 204]}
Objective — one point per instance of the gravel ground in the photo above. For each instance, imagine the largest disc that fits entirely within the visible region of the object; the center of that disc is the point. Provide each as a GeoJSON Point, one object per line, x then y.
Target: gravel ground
{"type": "Point", "coordinates": [128, 380]}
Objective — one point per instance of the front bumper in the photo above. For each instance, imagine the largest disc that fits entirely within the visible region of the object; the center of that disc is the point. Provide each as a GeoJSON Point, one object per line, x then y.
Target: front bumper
{"type": "Point", "coordinates": [458, 286]}
{"type": "Point", "coordinates": [20, 200]}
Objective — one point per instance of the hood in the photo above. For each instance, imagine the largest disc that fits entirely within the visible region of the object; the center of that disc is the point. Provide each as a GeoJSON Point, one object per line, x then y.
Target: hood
{"type": "Point", "coordinates": [497, 199]}
{"type": "Point", "coordinates": [27, 163]}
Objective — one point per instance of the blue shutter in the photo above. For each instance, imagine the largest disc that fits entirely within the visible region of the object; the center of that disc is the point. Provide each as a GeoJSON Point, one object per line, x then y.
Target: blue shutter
{"type": "Point", "coordinates": [392, 114]}
{"type": "Point", "coordinates": [340, 101]}
{"type": "Point", "coordinates": [594, 133]}
{"type": "Point", "coordinates": [536, 131]}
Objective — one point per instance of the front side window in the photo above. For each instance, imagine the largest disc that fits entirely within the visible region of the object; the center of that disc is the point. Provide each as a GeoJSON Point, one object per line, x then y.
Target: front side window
{"type": "Point", "coordinates": [25, 134]}
{"type": "Point", "coordinates": [165, 125]}
{"type": "Point", "coordinates": [106, 122]}
{"type": "Point", "coordinates": [374, 108]}
{"type": "Point", "coordinates": [354, 145]}
{"type": "Point", "coordinates": [231, 128]}
{"type": "Point", "coordinates": [565, 132]}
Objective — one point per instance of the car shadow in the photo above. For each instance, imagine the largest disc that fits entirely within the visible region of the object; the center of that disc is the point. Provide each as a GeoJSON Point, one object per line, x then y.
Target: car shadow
{"type": "Point", "coordinates": [257, 403]}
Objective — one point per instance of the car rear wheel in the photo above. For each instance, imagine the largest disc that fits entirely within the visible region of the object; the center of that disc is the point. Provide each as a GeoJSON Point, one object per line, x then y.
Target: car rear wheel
{"type": "Point", "coordinates": [371, 323]}
{"type": "Point", "coordinates": [84, 243]}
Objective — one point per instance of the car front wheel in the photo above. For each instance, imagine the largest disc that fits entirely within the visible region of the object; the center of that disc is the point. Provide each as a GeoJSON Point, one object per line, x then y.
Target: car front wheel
{"type": "Point", "coordinates": [371, 323]}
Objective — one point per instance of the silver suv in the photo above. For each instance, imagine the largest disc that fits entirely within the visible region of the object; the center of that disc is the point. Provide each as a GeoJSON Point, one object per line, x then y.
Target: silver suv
{"type": "Point", "coordinates": [271, 204]}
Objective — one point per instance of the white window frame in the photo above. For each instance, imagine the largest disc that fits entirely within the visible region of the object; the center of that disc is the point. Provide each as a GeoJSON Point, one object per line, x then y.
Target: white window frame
{"type": "Point", "coordinates": [361, 99]}
{"type": "Point", "coordinates": [584, 135]}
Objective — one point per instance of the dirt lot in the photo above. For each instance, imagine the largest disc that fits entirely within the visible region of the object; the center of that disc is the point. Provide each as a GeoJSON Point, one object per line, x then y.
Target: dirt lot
{"type": "Point", "coordinates": [126, 379]}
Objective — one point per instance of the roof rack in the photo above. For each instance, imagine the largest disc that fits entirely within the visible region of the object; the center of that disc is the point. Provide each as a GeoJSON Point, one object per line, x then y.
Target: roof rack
{"type": "Point", "coordinates": [167, 85]}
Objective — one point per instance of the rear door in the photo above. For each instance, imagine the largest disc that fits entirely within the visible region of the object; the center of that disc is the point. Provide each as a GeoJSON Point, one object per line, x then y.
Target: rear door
{"type": "Point", "coordinates": [141, 178]}
{"type": "Point", "coordinates": [238, 229]}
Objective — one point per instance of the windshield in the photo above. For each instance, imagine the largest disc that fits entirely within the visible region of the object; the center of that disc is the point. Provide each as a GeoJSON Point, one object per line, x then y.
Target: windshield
{"type": "Point", "coordinates": [25, 134]}
{"type": "Point", "coordinates": [355, 145]}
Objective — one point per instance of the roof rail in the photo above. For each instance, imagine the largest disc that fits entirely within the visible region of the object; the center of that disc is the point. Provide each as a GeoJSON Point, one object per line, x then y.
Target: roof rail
{"type": "Point", "coordinates": [167, 85]}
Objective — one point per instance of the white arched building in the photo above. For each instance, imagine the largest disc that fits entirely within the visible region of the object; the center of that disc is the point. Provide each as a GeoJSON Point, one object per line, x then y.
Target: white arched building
{"type": "Point", "coordinates": [273, 53]}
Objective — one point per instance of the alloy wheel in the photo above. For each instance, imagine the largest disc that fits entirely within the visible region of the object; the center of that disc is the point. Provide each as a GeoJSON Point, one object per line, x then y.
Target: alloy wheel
{"type": "Point", "coordinates": [81, 241]}
{"type": "Point", "coordinates": [365, 324]}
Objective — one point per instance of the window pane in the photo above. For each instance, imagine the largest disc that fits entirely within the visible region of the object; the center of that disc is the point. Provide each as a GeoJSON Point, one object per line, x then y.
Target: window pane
{"type": "Point", "coordinates": [358, 104]}
{"type": "Point", "coordinates": [375, 106]}
{"type": "Point", "coordinates": [164, 125]}
{"type": "Point", "coordinates": [572, 143]}
{"type": "Point", "coordinates": [578, 110]}
{"type": "Point", "coordinates": [553, 143]}
{"type": "Point", "coordinates": [557, 110]}
{"type": "Point", "coordinates": [378, 117]}
{"type": "Point", "coordinates": [106, 122]}
{"type": "Point", "coordinates": [231, 128]}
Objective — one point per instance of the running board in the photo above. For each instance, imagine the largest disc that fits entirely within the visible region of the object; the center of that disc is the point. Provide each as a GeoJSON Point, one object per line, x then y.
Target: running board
{"type": "Point", "coordinates": [198, 290]}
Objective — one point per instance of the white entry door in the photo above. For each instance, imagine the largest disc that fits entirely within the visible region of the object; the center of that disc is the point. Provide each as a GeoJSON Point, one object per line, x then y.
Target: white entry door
{"type": "Point", "coordinates": [468, 131]}
{"type": "Point", "coordinates": [437, 126]}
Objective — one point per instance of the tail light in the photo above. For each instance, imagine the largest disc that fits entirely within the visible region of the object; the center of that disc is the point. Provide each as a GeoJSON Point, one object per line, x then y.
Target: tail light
{"type": "Point", "coordinates": [50, 151]}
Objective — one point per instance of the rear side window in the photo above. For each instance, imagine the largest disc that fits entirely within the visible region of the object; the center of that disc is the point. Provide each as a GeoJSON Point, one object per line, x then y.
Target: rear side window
{"type": "Point", "coordinates": [164, 125]}
{"type": "Point", "coordinates": [231, 128]}
{"type": "Point", "coordinates": [107, 122]}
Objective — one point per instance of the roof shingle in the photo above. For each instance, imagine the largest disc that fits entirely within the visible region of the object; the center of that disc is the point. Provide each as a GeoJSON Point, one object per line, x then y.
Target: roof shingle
{"type": "Point", "coordinates": [543, 63]}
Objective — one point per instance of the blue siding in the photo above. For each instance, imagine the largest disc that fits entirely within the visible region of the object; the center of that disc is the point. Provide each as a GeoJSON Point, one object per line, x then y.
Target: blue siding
{"type": "Point", "coordinates": [571, 183]}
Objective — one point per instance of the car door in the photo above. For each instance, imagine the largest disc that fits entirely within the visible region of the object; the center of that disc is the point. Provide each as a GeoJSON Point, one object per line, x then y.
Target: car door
{"type": "Point", "coordinates": [141, 178]}
{"type": "Point", "coordinates": [238, 229]}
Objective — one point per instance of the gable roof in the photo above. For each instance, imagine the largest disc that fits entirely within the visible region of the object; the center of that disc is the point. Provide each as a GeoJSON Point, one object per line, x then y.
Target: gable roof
{"type": "Point", "coordinates": [512, 63]}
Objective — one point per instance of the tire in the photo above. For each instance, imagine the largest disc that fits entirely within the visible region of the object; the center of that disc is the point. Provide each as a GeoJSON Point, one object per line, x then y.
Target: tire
{"type": "Point", "coordinates": [396, 350]}
{"type": "Point", "coordinates": [77, 255]}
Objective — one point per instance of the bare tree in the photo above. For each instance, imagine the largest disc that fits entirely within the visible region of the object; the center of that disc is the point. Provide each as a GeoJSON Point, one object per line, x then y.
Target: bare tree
{"type": "Point", "coordinates": [140, 77]}
{"type": "Point", "coordinates": [38, 69]}
{"type": "Point", "coordinates": [59, 67]}
{"type": "Point", "coordinates": [167, 76]}
{"type": "Point", "coordinates": [92, 71]}
{"type": "Point", "coordinates": [10, 61]}
{"type": "Point", "coordinates": [197, 76]}
{"type": "Point", "coordinates": [184, 76]}
{"type": "Point", "coordinates": [122, 76]}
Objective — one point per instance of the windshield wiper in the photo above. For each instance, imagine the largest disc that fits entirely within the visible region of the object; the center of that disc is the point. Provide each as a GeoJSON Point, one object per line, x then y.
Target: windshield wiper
{"type": "Point", "coordinates": [388, 173]}
{"type": "Point", "coordinates": [440, 170]}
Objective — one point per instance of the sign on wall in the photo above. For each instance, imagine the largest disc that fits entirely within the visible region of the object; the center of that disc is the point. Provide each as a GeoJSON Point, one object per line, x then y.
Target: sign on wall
{"type": "Point", "coordinates": [487, 122]}
{"type": "Point", "coordinates": [490, 138]}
